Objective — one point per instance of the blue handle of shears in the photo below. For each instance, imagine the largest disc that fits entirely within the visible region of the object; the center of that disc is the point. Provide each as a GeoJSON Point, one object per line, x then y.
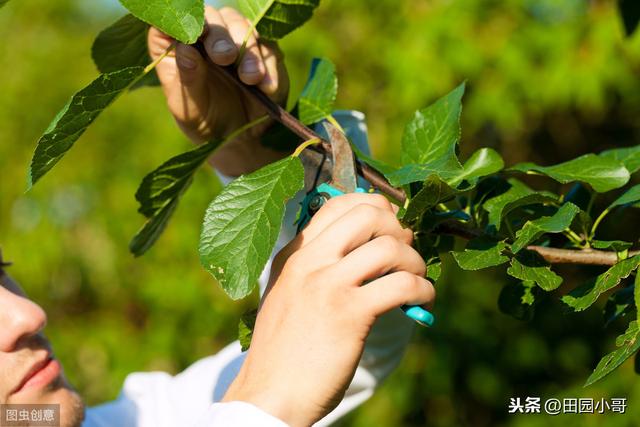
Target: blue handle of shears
{"type": "Point", "coordinates": [415, 312]}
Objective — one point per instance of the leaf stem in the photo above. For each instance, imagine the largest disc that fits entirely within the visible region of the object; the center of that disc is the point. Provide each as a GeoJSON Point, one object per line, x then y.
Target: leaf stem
{"type": "Point", "coordinates": [334, 122]}
{"type": "Point", "coordinates": [597, 222]}
{"type": "Point", "coordinates": [243, 47]}
{"type": "Point", "coordinates": [571, 235]}
{"type": "Point", "coordinates": [155, 63]}
{"type": "Point", "coordinates": [246, 127]}
{"type": "Point", "coordinates": [304, 145]}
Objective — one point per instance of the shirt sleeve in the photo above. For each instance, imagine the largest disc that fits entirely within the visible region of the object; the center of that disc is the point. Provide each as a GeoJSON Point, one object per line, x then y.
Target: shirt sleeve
{"type": "Point", "coordinates": [238, 414]}
{"type": "Point", "coordinates": [190, 398]}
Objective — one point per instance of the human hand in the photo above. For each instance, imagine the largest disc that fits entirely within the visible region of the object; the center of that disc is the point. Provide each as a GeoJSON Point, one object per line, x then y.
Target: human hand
{"type": "Point", "coordinates": [202, 100]}
{"type": "Point", "coordinates": [316, 313]}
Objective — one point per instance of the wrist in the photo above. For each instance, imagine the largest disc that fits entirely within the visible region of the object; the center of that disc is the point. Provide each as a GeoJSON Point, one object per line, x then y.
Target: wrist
{"type": "Point", "coordinates": [274, 401]}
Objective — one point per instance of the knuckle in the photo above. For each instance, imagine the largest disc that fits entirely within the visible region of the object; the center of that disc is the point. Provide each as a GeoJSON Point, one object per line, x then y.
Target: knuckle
{"type": "Point", "coordinates": [421, 266]}
{"type": "Point", "coordinates": [335, 202]}
{"type": "Point", "coordinates": [379, 200]}
{"type": "Point", "coordinates": [407, 236]}
{"type": "Point", "coordinates": [407, 281]}
{"type": "Point", "coordinates": [388, 244]}
{"type": "Point", "coordinates": [367, 213]}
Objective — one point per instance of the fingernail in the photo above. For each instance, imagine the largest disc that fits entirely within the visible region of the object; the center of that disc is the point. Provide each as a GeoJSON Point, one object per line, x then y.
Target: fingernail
{"type": "Point", "coordinates": [250, 66]}
{"type": "Point", "coordinates": [222, 46]}
{"type": "Point", "coordinates": [186, 63]}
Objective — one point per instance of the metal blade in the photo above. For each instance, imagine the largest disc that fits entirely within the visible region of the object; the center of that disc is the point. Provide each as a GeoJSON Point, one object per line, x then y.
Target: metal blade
{"type": "Point", "coordinates": [343, 174]}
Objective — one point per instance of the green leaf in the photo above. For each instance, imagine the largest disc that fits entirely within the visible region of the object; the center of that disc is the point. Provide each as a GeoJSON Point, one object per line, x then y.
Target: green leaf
{"type": "Point", "coordinates": [122, 45]}
{"type": "Point", "coordinates": [481, 253]}
{"type": "Point", "coordinates": [518, 300]}
{"type": "Point", "coordinates": [378, 165]}
{"type": "Point", "coordinates": [627, 344]}
{"type": "Point", "coordinates": [583, 297]}
{"type": "Point", "coordinates": [71, 122]}
{"type": "Point", "coordinates": [516, 196]}
{"type": "Point", "coordinates": [636, 294]}
{"type": "Point", "coordinates": [528, 296]}
{"type": "Point", "coordinates": [630, 12]}
{"type": "Point", "coordinates": [245, 328]}
{"type": "Point", "coordinates": [618, 304]}
{"type": "Point", "coordinates": [601, 173]}
{"type": "Point", "coordinates": [557, 223]}
{"type": "Point", "coordinates": [483, 162]}
{"type": "Point", "coordinates": [434, 270]}
{"type": "Point", "coordinates": [162, 188]}
{"type": "Point", "coordinates": [530, 267]}
{"type": "Point", "coordinates": [433, 191]}
{"type": "Point", "coordinates": [242, 224]}
{"type": "Point", "coordinates": [432, 136]}
{"type": "Point", "coordinates": [275, 19]}
{"type": "Point", "coordinates": [416, 173]}
{"type": "Point", "coordinates": [613, 245]}
{"type": "Point", "coordinates": [630, 197]}
{"type": "Point", "coordinates": [181, 19]}
{"type": "Point", "coordinates": [319, 94]}
{"type": "Point", "coordinates": [3, 2]}
{"type": "Point", "coordinates": [152, 229]}
{"type": "Point", "coordinates": [628, 156]}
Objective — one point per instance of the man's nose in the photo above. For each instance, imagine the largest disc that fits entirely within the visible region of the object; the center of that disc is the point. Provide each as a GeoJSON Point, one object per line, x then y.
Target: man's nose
{"type": "Point", "coordinates": [19, 319]}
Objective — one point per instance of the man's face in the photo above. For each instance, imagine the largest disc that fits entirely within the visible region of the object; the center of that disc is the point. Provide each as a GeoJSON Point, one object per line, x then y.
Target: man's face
{"type": "Point", "coordinates": [29, 374]}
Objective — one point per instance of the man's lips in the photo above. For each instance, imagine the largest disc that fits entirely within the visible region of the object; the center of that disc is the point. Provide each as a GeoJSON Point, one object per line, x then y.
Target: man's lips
{"type": "Point", "coordinates": [40, 375]}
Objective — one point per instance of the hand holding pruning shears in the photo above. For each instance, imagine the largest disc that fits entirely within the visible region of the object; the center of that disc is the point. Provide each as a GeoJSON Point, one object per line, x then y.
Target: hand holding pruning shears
{"type": "Point", "coordinates": [344, 180]}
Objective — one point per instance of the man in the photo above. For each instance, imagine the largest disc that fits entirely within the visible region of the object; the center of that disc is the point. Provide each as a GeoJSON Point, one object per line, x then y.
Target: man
{"type": "Point", "coordinates": [312, 357]}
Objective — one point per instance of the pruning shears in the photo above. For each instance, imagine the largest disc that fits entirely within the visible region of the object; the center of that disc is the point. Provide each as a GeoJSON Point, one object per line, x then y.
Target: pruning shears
{"type": "Point", "coordinates": [344, 179]}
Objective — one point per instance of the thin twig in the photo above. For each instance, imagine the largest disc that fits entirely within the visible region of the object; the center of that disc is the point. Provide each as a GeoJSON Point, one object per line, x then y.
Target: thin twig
{"type": "Point", "coordinates": [375, 178]}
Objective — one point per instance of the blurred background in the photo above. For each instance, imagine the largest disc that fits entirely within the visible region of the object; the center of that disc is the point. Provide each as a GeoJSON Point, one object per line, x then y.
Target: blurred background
{"type": "Point", "coordinates": [547, 80]}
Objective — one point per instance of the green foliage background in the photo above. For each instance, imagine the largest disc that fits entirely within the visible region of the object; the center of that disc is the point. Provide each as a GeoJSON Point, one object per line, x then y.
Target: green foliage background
{"type": "Point", "coordinates": [547, 81]}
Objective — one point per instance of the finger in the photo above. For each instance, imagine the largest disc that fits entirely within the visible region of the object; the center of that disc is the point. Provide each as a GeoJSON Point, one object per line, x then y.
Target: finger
{"type": "Point", "coordinates": [378, 257]}
{"type": "Point", "coordinates": [274, 65]}
{"type": "Point", "coordinates": [336, 207]}
{"type": "Point", "coordinates": [251, 69]}
{"type": "Point", "coordinates": [187, 94]}
{"type": "Point", "coordinates": [359, 225]}
{"type": "Point", "coordinates": [218, 42]}
{"type": "Point", "coordinates": [158, 42]}
{"type": "Point", "coordinates": [395, 290]}
{"type": "Point", "coordinates": [332, 210]}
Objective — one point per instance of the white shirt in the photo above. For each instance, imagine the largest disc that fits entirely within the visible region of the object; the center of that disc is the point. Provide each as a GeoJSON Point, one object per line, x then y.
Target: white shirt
{"type": "Point", "coordinates": [157, 399]}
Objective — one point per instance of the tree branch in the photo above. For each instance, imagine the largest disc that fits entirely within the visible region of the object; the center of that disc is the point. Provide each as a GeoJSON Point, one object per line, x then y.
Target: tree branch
{"type": "Point", "coordinates": [380, 183]}
{"type": "Point", "coordinates": [583, 256]}
{"type": "Point", "coordinates": [375, 178]}
{"type": "Point", "coordinates": [551, 255]}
